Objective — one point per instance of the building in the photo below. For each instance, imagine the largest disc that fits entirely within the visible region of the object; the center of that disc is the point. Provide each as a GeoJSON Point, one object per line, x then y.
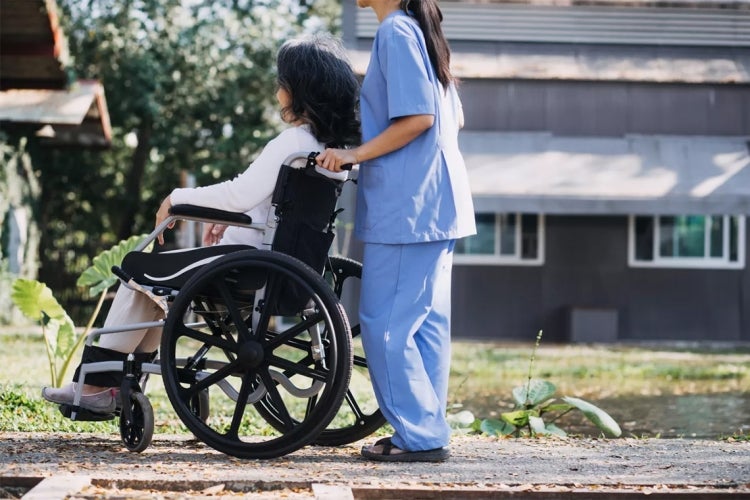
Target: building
{"type": "Point", "coordinates": [607, 146]}
{"type": "Point", "coordinates": [42, 105]}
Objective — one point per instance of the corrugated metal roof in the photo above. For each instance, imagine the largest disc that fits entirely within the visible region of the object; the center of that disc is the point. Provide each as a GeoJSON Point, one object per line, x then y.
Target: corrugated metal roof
{"type": "Point", "coordinates": [539, 172]}
{"type": "Point", "coordinates": [591, 24]}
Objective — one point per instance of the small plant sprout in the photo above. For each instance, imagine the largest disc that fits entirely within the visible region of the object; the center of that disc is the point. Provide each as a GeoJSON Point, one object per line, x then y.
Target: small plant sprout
{"type": "Point", "coordinates": [536, 410]}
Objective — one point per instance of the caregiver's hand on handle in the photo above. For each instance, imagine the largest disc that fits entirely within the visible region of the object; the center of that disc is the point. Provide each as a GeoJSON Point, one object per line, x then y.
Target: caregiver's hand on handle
{"type": "Point", "coordinates": [337, 160]}
{"type": "Point", "coordinates": [399, 133]}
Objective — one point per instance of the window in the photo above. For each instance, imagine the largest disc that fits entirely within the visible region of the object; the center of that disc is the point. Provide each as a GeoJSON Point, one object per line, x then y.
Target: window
{"type": "Point", "coordinates": [700, 241]}
{"type": "Point", "coordinates": [507, 238]}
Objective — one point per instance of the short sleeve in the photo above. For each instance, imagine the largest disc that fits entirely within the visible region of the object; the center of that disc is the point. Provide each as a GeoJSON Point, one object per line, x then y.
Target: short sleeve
{"type": "Point", "coordinates": [404, 64]}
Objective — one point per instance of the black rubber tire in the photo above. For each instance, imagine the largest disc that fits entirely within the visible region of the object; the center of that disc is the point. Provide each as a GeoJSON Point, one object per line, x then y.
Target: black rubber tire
{"type": "Point", "coordinates": [359, 421]}
{"type": "Point", "coordinates": [231, 351]}
{"type": "Point", "coordinates": [136, 434]}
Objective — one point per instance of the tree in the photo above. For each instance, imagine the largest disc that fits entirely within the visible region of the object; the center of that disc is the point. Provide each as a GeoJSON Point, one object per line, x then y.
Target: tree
{"type": "Point", "coordinates": [190, 86]}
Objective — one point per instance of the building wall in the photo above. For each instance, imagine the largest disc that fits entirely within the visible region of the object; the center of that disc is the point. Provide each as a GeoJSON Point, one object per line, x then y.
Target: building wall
{"type": "Point", "coordinates": [586, 266]}
{"type": "Point", "coordinates": [606, 108]}
{"type": "Point", "coordinates": [633, 86]}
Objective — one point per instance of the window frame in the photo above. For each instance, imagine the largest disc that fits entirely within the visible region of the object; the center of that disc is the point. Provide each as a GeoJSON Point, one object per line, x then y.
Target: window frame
{"type": "Point", "coordinates": [689, 262]}
{"type": "Point", "coordinates": [497, 259]}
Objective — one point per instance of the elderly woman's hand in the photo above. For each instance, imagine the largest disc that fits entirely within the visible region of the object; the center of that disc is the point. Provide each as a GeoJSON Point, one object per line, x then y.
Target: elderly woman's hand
{"type": "Point", "coordinates": [212, 233]}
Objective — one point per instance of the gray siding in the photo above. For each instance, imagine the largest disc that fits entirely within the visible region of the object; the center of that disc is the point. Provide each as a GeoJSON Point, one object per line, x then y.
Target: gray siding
{"type": "Point", "coordinates": [606, 108]}
{"type": "Point", "coordinates": [664, 25]}
{"type": "Point", "coordinates": [586, 267]}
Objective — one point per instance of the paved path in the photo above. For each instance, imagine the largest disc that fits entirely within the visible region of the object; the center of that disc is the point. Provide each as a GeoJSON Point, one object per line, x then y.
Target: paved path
{"type": "Point", "coordinates": [480, 467]}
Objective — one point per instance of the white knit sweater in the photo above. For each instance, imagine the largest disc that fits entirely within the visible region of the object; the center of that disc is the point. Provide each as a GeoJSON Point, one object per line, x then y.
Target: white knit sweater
{"type": "Point", "coordinates": [250, 192]}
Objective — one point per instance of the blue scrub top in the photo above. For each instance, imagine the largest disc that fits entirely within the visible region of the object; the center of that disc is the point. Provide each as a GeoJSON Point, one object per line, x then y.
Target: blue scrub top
{"type": "Point", "coordinates": [420, 192]}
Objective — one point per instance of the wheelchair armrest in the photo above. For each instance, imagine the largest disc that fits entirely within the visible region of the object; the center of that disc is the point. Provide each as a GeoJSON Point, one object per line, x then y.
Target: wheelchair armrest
{"type": "Point", "coordinates": [211, 214]}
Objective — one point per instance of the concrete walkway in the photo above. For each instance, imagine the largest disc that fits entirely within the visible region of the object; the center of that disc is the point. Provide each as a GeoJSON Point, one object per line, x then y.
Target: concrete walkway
{"type": "Point", "coordinates": [479, 467]}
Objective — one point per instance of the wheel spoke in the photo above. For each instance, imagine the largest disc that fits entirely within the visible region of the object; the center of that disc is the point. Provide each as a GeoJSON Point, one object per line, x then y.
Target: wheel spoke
{"type": "Point", "coordinates": [274, 398]}
{"type": "Point", "coordinates": [215, 377]}
{"type": "Point", "coordinates": [278, 339]}
{"type": "Point", "coordinates": [234, 310]}
{"type": "Point", "coordinates": [360, 361]}
{"type": "Point", "coordinates": [311, 402]}
{"type": "Point", "coordinates": [209, 339]}
{"type": "Point", "coordinates": [270, 297]}
{"type": "Point", "coordinates": [241, 405]}
{"type": "Point", "coordinates": [352, 402]}
{"type": "Point", "coordinates": [292, 368]}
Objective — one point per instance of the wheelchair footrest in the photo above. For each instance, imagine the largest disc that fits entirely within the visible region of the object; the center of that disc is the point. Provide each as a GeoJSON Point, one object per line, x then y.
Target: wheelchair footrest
{"type": "Point", "coordinates": [85, 415]}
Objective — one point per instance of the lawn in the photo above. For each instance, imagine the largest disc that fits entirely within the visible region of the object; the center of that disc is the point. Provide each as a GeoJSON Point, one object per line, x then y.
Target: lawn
{"type": "Point", "coordinates": [482, 377]}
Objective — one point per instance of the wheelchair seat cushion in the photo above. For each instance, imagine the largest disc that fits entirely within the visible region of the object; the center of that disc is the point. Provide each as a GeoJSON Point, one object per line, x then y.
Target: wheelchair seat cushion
{"type": "Point", "coordinates": [174, 268]}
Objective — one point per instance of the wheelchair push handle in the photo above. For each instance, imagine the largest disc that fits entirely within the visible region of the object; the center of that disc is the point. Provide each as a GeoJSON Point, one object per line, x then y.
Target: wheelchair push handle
{"type": "Point", "coordinates": [312, 161]}
{"type": "Point", "coordinates": [120, 273]}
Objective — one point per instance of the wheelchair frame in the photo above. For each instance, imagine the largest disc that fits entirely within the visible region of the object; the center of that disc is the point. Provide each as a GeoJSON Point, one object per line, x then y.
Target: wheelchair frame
{"type": "Point", "coordinates": [137, 431]}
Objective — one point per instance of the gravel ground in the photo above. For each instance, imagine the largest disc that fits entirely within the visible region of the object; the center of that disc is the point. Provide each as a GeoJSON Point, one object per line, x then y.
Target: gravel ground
{"type": "Point", "coordinates": [477, 464]}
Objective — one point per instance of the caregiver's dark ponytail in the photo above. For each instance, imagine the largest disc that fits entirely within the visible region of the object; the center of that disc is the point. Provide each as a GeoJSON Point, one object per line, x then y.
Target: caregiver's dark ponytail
{"type": "Point", "coordinates": [429, 17]}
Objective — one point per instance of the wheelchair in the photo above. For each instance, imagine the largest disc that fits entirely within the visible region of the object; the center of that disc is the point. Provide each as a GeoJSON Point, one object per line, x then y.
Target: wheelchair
{"type": "Point", "coordinates": [257, 351]}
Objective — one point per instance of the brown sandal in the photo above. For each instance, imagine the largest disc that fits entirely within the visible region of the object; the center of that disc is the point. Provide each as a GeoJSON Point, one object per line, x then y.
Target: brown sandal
{"type": "Point", "coordinates": [387, 454]}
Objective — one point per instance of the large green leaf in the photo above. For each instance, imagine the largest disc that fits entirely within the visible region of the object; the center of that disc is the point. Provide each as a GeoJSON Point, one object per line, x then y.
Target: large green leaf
{"type": "Point", "coordinates": [537, 426]}
{"type": "Point", "coordinates": [538, 392]}
{"type": "Point", "coordinates": [462, 419]}
{"type": "Point", "coordinates": [555, 407]}
{"type": "Point", "coordinates": [519, 418]}
{"type": "Point", "coordinates": [556, 431]}
{"type": "Point", "coordinates": [598, 416]}
{"type": "Point", "coordinates": [540, 428]}
{"type": "Point", "coordinates": [62, 330]}
{"type": "Point", "coordinates": [493, 427]}
{"type": "Point", "coordinates": [99, 275]}
{"type": "Point", "coordinates": [35, 300]}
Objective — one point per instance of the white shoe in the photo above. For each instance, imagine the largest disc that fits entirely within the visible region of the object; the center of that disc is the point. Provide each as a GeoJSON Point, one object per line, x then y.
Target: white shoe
{"type": "Point", "coordinates": [100, 402]}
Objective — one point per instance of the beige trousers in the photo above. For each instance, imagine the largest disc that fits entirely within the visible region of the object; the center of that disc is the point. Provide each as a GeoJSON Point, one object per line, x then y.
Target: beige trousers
{"type": "Point", "coordinates": [130, 307]}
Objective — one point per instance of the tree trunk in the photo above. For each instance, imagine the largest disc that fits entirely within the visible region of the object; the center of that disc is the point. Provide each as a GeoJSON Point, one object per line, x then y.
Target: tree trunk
{"type": "Point", "coordinates": [134, 180]}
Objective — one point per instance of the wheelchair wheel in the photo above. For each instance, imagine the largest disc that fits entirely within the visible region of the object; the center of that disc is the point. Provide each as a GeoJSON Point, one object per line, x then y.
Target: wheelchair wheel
{"type": "Point", "coordinates": [258, 369]}
{"type": "Point", "coordinates": [359, 415]}
{"type": "Point", "coordinates": [199, 405]}
{"type": "Point", "coordinates": [136, 433]}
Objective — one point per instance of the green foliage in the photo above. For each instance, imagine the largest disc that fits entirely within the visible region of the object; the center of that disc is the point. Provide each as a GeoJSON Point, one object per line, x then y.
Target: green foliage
{"type": "Point", "coordinates": [190, 88]}
{"type": "Point", "coordinates": [36, 301]}
{"type": "Point", "coordinates": [536, 410]}
{"type": "Point", "coordinates": [99, 276]}
{"type": "Point", "coordinates": [739, 436]}
{"type": "Point", "coordinates": [599, 417]}
{"type": "Point", "coordinates": [534, 393]}
{"type": "Point", "coordinates": [20, 412]}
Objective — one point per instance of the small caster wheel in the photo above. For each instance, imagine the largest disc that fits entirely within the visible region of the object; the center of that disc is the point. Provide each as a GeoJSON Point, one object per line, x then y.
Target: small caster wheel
{"type": "Point", "coordinates": [136, 432]}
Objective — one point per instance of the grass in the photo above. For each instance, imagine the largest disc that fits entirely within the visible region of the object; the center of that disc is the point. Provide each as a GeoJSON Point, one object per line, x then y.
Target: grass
{"type": "Point", "coordinates": [597, 371]}
{"type": "Point", "coordinates": [482, 377]}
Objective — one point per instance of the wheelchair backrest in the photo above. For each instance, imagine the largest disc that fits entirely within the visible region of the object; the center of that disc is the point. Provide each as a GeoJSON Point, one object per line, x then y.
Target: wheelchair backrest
{"type": "Point", "coordinates": [305, 205]}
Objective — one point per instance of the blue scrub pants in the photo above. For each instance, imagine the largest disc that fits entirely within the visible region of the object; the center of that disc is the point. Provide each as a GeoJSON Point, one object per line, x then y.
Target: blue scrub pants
{"type": "Point", "coordinates": [404, 312]}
